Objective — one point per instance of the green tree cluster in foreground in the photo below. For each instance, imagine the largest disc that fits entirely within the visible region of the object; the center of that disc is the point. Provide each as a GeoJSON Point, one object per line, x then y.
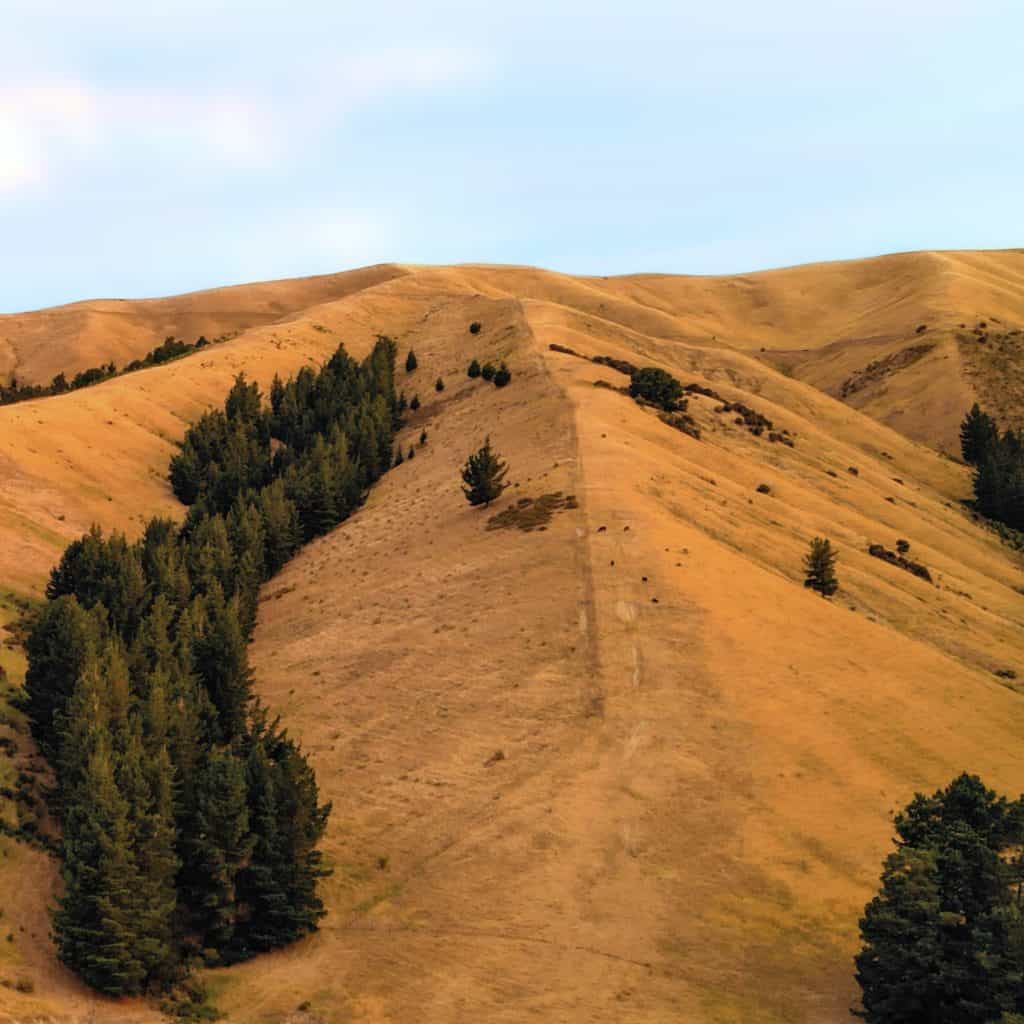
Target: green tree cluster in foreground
{"type": "Point", "coordinates": [944, 937]}
{"type": "Point", "coordinates": [190, 818]}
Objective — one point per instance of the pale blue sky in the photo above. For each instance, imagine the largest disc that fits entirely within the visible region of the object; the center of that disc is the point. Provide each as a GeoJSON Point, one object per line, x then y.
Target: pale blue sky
{"type": "Point", "coordinates": [200, 143]}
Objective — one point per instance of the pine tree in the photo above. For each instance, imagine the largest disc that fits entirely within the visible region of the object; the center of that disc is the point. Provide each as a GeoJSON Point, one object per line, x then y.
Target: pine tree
{"type": "Point", "coordinates": [412, 452]}
{"type": "Point", "coordinates": [978, 433]}
{"type": "Point", "coordinates": [415, 403]}
{"type": "Point", "coordinates": [219, 846]}
{"type": "Point", "coordinates": [941, 938]}
{"type": "Point", "coordinates": [423, 438]}
{"type": "Point", "coordinates": [222, 663]}
{"type": "Point", "coordinates": [281, 528]}
{"type": "Point", "coordinates": [483, 476]}
{"type": "Point", "coordinates": [60, 645]}
{"type": "Point", "coordinates": [487, 371]}
{"type": "Point", "coordinates": [95, 923]}
{"type": "Point", "coordinates": [287, 820]}
{"type": "Point", "coordinates": [439, 384]}
{"type": "Point", "coordinates": [502, 376]}
{"type": "Point", "coordinates": [147, 782]}
{"type": "Point", "coordinates": [819, 566]}
{"type": "Point", "coordinates": [474, 369]}
{"type": "Point", "coordinates": [410, 362]}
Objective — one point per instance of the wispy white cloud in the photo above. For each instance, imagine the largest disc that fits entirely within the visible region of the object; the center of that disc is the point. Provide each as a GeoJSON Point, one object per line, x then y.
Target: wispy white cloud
{"type": "Point", "coordinates": [51, 127]}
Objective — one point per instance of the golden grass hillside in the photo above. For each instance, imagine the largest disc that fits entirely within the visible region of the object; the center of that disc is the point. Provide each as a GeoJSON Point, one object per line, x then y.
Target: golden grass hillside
{"type": "Point", "coordinates": [37, 345]}
{"type": "Point", "coordinates": [621, 768]}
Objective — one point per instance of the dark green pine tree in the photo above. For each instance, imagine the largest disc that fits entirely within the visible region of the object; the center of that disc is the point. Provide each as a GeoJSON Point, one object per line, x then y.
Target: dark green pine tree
{"type": "Point", "coordinates": [474, 369]}
{"type": "Point", "coordinates": [415, 403]}
{"type": "Point", "coordinates": [219, 845]}
{"type": "Point", "coordinates": [95, 924]}
{"type": "Point", "coordinates": [153, 647]}
{"type": "Point", "coordinates": [904, 916]}
{"type": "Point", "coordinates": [280, 883]}
{"type": "Point", "coordinates": [146, 778]}
{"type": "Point", "coordinates": [281, 527]}
{"type": "Point", "coordinates": [820, 568]}
{"type": "Point", "coordinates": [483, 476]}
{"type": "Point", "coordinates": [502, 376]}
{"type": "Point", "coordinates": [942, 939]}
{"type": "Point", "coordinates": [439, 384]}
{"type": "Point", "coordinates": [209, 556]}
{"type": "Point", "coordinates": [410, 362]}
{"type": "Point", "coordinates": [978, 433]}
{"type": "Point", "coordinates": [222, 663]}
{"type": "Point", "coordinates": [412, 452]}
{"type": "Point", "coordinates": [64, 637]}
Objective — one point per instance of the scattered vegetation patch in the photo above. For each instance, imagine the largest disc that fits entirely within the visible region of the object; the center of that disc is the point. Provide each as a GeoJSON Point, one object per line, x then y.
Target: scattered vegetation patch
{"type": "Point", "coordinates": [529, 514]}
{"type": "Point", "coordinates": [681, 421]}
{"type": "Point", "coordinates": [877, 371]}
{"type": "Point", "coordinates": [616, 364]}
{"type": "Point", "coordinates": [658, 388]}
{"type": "Point", "coordinates": [475, 327]}
{"type": "Point", "coordinates": [899, 560]}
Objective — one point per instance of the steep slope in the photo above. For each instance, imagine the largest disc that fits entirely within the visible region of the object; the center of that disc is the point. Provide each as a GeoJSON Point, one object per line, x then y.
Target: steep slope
{"type": "Point", "coordinates": [698, 758]}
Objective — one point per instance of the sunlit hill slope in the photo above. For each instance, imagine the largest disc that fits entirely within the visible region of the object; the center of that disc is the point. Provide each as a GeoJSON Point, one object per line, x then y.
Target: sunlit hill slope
{"type": "Point", "coordinates": [624, 767]}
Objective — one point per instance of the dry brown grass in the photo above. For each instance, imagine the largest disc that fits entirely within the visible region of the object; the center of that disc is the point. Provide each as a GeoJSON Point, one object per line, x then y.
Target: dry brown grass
{"type": "Point", "coordinates": [700, 757]}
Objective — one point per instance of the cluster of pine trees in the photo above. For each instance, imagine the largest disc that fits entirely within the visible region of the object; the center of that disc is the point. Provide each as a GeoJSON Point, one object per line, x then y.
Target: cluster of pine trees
{"type": "Point", "coordinates": [998, 460]}
{"type": "Point", "coordinates": [190, 819]}
{"type": "Point", "coordinates": [944, 937]}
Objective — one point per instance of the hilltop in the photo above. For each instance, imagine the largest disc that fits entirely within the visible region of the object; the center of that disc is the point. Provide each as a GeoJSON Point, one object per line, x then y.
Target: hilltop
{"type": "Point", "coordinates": [623, 767]}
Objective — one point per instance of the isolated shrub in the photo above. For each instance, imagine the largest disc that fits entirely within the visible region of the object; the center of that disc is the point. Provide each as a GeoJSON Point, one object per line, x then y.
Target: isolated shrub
{"type": "Point", "coordinates": [903, 546]}
{"type": "Point", "coordinates": [483, 476]}
{"type": "Point", "coordinates": [415, 403]}
{"type": "Point", "coordinates": [656, 386]}
{"type": "Point", "coordinates": [474, 327]}
{"type": "Point", "coordinates": [439, 384]}
{"type": "Point", "coordinates": [412, 452]}
{"type": "Point", "coordinates": [423, 438]}
{"type": "Point", "coordinates": [474, 369]}
{"type": "Point", "coordinates": [410, 362]}
{"type": "Point", "coordinates": [502, 376]}
{"type": "Point", "coordinates": [764, 489]}
{"type": "Point", "coordinates": [820, 568]}
{"type": "Point", "coordinates": [488, 371]}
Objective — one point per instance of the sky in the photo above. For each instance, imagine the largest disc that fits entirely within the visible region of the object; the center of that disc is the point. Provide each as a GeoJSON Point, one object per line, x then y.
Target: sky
{"type": "Point", "coordinates": [154, 148]}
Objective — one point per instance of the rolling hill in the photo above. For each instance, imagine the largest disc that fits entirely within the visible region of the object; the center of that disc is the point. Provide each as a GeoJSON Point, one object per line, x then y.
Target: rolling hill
{"type": "Point", "coordinates": [620, 766]}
